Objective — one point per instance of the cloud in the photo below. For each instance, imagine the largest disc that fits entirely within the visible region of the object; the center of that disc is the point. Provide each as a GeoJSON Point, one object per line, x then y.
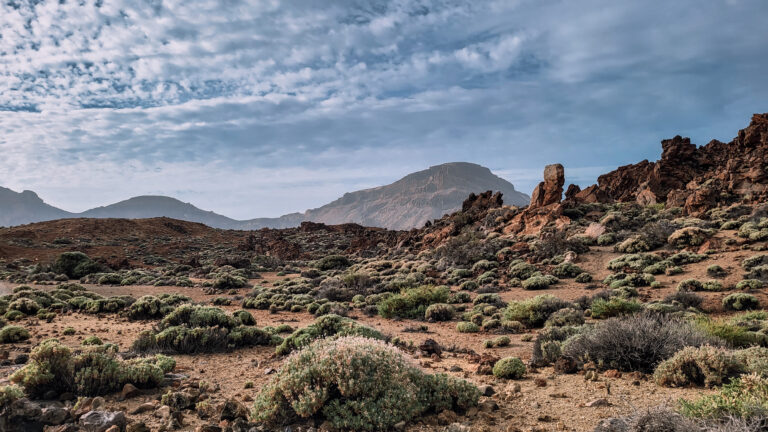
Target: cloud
{"type": "Point", "coordinates": [260, 107]}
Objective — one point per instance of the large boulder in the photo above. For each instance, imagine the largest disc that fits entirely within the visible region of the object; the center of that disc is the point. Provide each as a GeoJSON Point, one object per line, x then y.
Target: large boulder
{"type": "Point", "coordinates": [550, 191]}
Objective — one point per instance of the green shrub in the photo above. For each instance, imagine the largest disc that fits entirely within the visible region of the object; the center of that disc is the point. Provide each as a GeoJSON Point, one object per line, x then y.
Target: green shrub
{"type": "Point", "coordinates": [92, 340]}
{"type": "Point", "coordinates": [357, 384]}
{"type": "Point", "coordinates": [333, 262]}
{"type": "Point", "coordinates": [633, 245]}
{"type": "Point", "coordinates": [13, 315]}
{"type": "Point", "coordinates": [9, 394]}
{"type": "Point", "coordinates": [740, 302]}
{"type": "Point", "coordinates": [75, 265]}
{"type": "Point", "coordinates": [565, 317]}
{"type": "Point", "coordinates": [606, 239]}
{"type": "Point", "coordinates": [500, 341]}
{"type": "Point", "coordinates": [227, 281]}
{"type": "Point", "coordinates": [198, 316]}
{"type": "Point", "coordinates": [413, 303]}
{"type": "Point", "coordinates": [583, 278]}
{"type": "Point", "coordinates": [25, 306]}
{"type": "Point", "coordinates": [148, 307]}
{"type": "Point", "coordinates": [746, 398]}
{"type": "Point", "coordinates": [245, 317]}
{"type": "Point", "coordinates": [439, 312]}
{"type": "Point", "coordinates": [467, 327]}
{"type": "Point", "coordinates": [716, 271]}
{"type": "Point", "coordinates": [95, 371]}
{"type": "Point", "coordinates": [538, 282]}
{"type": "Point", "coordinates": [613, 307]}
{"type": "Point", "coordinates": [749, 284]}
{"type": "Point", "coordinates": [521, 269]}
{"type": "Point", "coordinates": [733, 334]}
{"type": "Point", "coordinates": [10, 334]}
{"type": "Point", "coordinates": [567, 270]}
{"type": "Point", "coordinates": [110, 279]}
{"type": "Point", "coordinates": [459, 297]}
{"type": "Point", "coordinates": [509, 368]}
{"type": "Point", "coordinates": [327, 326]}
{"type": "Point", "coordinates": [535, 311]}
{"type": "Point", "coordinates": [69, 331]}
{"type": "Point", "coordinates": [688, 236]}
{"type": "Point", "coordinates": [705, 365]}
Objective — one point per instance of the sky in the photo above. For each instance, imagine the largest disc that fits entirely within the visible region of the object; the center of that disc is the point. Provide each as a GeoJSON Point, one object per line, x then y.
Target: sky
{"type": "Point", "coordinates": [256, 108]}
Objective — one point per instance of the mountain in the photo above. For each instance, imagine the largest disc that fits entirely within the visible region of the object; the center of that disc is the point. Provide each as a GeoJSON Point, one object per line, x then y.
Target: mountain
{"type": "Point", "coordinates": [416, 198]}
{"type": "Point", "coordinates": [404, 204]}
{"type": "Point", "coordinates": [26, 207]}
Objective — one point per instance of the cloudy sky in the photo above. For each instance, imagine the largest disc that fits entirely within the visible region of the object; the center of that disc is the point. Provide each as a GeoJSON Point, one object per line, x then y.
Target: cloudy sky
{"type": "Point", "coordinates": [263, 107]}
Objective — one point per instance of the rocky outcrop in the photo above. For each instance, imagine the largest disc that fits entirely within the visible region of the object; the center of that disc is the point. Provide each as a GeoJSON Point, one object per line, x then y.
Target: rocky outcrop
{"type": "Point", "coordinates": [694, 178]}
{"type": "Point", "coordinates": [550, 191]}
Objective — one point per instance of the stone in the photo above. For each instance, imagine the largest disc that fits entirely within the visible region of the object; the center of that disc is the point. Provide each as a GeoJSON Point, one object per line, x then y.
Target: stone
{"type": "Point", "coordinates": [101, 421]}
{"type": "Point", "coordinates": [163, 412]}
{"type": "Point", "coordinates": [488, 405]}
{"type": "Point", "coordinates": [129, 391]}
{"type": "Point", "coordinates": [600, 402]}
{"type": "Point", "coordinates": [54, 415]}
{"type": "Point", "coordinates": [208, 428]}
{"type": "Point", "coordinates": [233, 409]}
{"type": "Point", "coordinates": [145, 407]}
{"type": "Point", "coordinates": [550, 191]}
{"type": "Point", "coordinates": [430, 347]}
{"type": "Point", "coordinates": [137, 427]}
{"type": "Point", "coordinates": [21, 359]}
{"type": "Point", "coordinates": [486, 390]}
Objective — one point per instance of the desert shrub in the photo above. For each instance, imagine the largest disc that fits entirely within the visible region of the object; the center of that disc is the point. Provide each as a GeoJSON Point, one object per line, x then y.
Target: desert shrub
{"type": "Point", "coordinates": [148, 307]}
{"type": "Point", "coordinates": [327, 326]}
{"type": "Point", "coordinates": [613, 307]}
{"type": "Point", "coordinates": [567, 270]}
{"type": "Point", "coordinates": [95, 371]}
{"type": "Point", "coordinates": [690, 285]}
{"type": "Point", "coordinates": [467, 327]}
{"type": "Point", "coordinates": [75, 265]}
{"type": "Point", "coordinates": [583, 278]}
{"type": "Point", "coordinates": [459, 297]}
{"type": "Point", "coordinates": [733, 333]}
{"type": "Point", "coordinates": [740, 302]}
{"type": "Point", "coordinates": [226, 281]}
{"type": "Point", "coordinates": [25, 306]}
{"type": "Point", "coordinates": [689, 236]}
{"type": "Point", "coordinates": [10, 334]}
{"type": "Point", "coordinates": [412, 303]}
{"type": "Point", "coordinates": [69, 331]}
{"type": "Point", "coordinates": [521, 269]}
{"type": "Point", "coordinates": [539, 282]}
{"type": "Point", "coordinates": [754, 231]}
{"type": "Point", "coordinates": [754, 261]}
{"type": "Point", "coordinates": [749, 284]}
{"type": "Point", "coordinates": [618, 280]}
{"type": "Point", "coordinates": [705, 365]}
{"type": "Point", "coordinates": [490, 299]}
{"type": "Point", "coordinates": [534, 312]}
{"type": "Point", "coordinates": [9, 394]}
{"type": "Point", "coordinates": [509, 368]}
{"type": "Point", "coordinates": [606, 239]}
{"type": "Point", "coordinates": [633, 244]}
{"type": "Point", "coordinates": [439, 312]}
{"type": "Point", "coordinates": [13, 315]}
{"type": "Point", "coordinates": [548, 344]}
{"type": "Point", "coordinates": [198, 316]}
{"type": "Point", "coordinates": [745, 397]}
{"type": "Point", "coordinates": [92, 340]}
{"type": "Point", "coordinates": [110, 279]}
{"type": "Point", "coordinates": [565, 317]}
{"type": "Point", "coordinates": [484, 265]}
{"type": "Point", "coordinates": [656, 419]}
{"type": "Point", "coordinates": [245, 317]}
{"type": "Point", "coordinates": [685, 299]}
{"type": "Point", "coordinates": [500, 341]}
{"type": "Point", "coordinates": [332, 262]}
{"type": "Point", "coordinates": [634, 343]}
{"type": "Point", "coordinates": [716, 271]}
{"type": "Point", "coordinates": [356, 383]}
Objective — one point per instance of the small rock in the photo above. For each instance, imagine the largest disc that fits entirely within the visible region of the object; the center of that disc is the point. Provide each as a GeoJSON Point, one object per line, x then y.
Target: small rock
{"type": "Point", "coordinates": [233, 409]}
{"type": "Point", "coordinates": [129, 391]}
{"type": "Point", "coordinates": [137, 427]}
{"type": "Point", "coordinates": [540, 382]}
{"type": "Point", "coordinates": [455, 368]}
{"type": "Point", "coordinates": [101, 421]}
{"type": "Point", "coordinates": [145, 407]}
{"type": "Point", "coordinates": [486, 390]}
{"type": "Point", "coordinates": [97, 402]}
{"type": "Point", "coordinates": [601, 402]}
{"type": "Point", "coordinates": [612, 373]}
{"type": "Point", "coordinates": [269, 371]}
{"type": "Point", "coordinates": [488, 405]}
{"type": "Point", "coordinates": [398, 426]}
{"type": "Point", "coordinates": [163, 412]}
{"type": "Point", "coordinates": [113, 428]}
{"type": "Point", "coordinates": [21, 359]}
{"type": "Point", "coordinates": [208, 428]}
{"type": "Point", "coordinates": [54, 415]}
{"type": "Point", "coordinates": [446, 417]}
{"type": "Point", "coordinates": [457, 427]}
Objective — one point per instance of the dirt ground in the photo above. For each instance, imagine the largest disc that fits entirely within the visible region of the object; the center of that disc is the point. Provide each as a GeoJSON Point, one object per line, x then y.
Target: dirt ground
{"type": "Point", "coordinates": [545, 401]}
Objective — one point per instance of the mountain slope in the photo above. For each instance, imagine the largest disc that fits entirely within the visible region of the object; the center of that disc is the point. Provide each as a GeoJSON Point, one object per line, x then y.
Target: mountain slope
{"type": "Point", "coordinates": [148, 206]}
{"type": "Point", "coordinates": [416, 198]}
{"type": "Point", "coordinates": [404, 204]}
{"type": "Point", "coordinates": [26, 207]}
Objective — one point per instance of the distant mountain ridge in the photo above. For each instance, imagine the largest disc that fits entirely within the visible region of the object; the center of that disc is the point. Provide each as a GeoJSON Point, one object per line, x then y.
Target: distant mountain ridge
{"type": "Point", "coordinates": [404, 204]}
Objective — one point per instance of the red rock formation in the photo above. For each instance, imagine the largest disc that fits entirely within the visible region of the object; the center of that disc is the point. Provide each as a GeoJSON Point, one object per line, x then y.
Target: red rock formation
{"type": "Point", "coordinates": [550, 191]}
{"type": "Point", "coordinates": [695, 179]}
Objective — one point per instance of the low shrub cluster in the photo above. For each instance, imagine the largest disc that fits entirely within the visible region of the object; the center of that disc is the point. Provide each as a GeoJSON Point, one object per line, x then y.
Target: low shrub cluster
{"type": "Point", "coordinates": [534, 312]}
{"type": "Point", "coordinates": [509, 368]}
{"type": "Point", "coordinates": [94, 371]}
{"type": "Point", "coordinates": [413, 303]}
{"type": "Point", "coordinates": [355, 383]}
{"type": "Point", "coordinates": [327, 326]}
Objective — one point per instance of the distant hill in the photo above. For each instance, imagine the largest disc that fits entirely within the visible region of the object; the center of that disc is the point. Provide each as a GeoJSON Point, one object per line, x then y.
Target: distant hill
{"type": "Point", "coordinates": [404, 204]}
{"type": "Point", "coordinates": [416, 198]}
{"type": "Point", "coordinates": [26, 207]}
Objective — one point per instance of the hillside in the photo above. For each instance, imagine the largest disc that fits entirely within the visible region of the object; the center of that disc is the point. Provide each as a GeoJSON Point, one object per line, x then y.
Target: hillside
{"type": "Point", "coordinates": [407, 203]}
{"type": "Point", "coordinates": [416, 198]}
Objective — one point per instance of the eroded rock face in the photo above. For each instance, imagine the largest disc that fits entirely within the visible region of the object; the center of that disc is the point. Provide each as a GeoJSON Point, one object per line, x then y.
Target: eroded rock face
{"type": "Point", "coordinates": [550, 191]}
{"type": "Point", "coordinates": [695, 179]}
